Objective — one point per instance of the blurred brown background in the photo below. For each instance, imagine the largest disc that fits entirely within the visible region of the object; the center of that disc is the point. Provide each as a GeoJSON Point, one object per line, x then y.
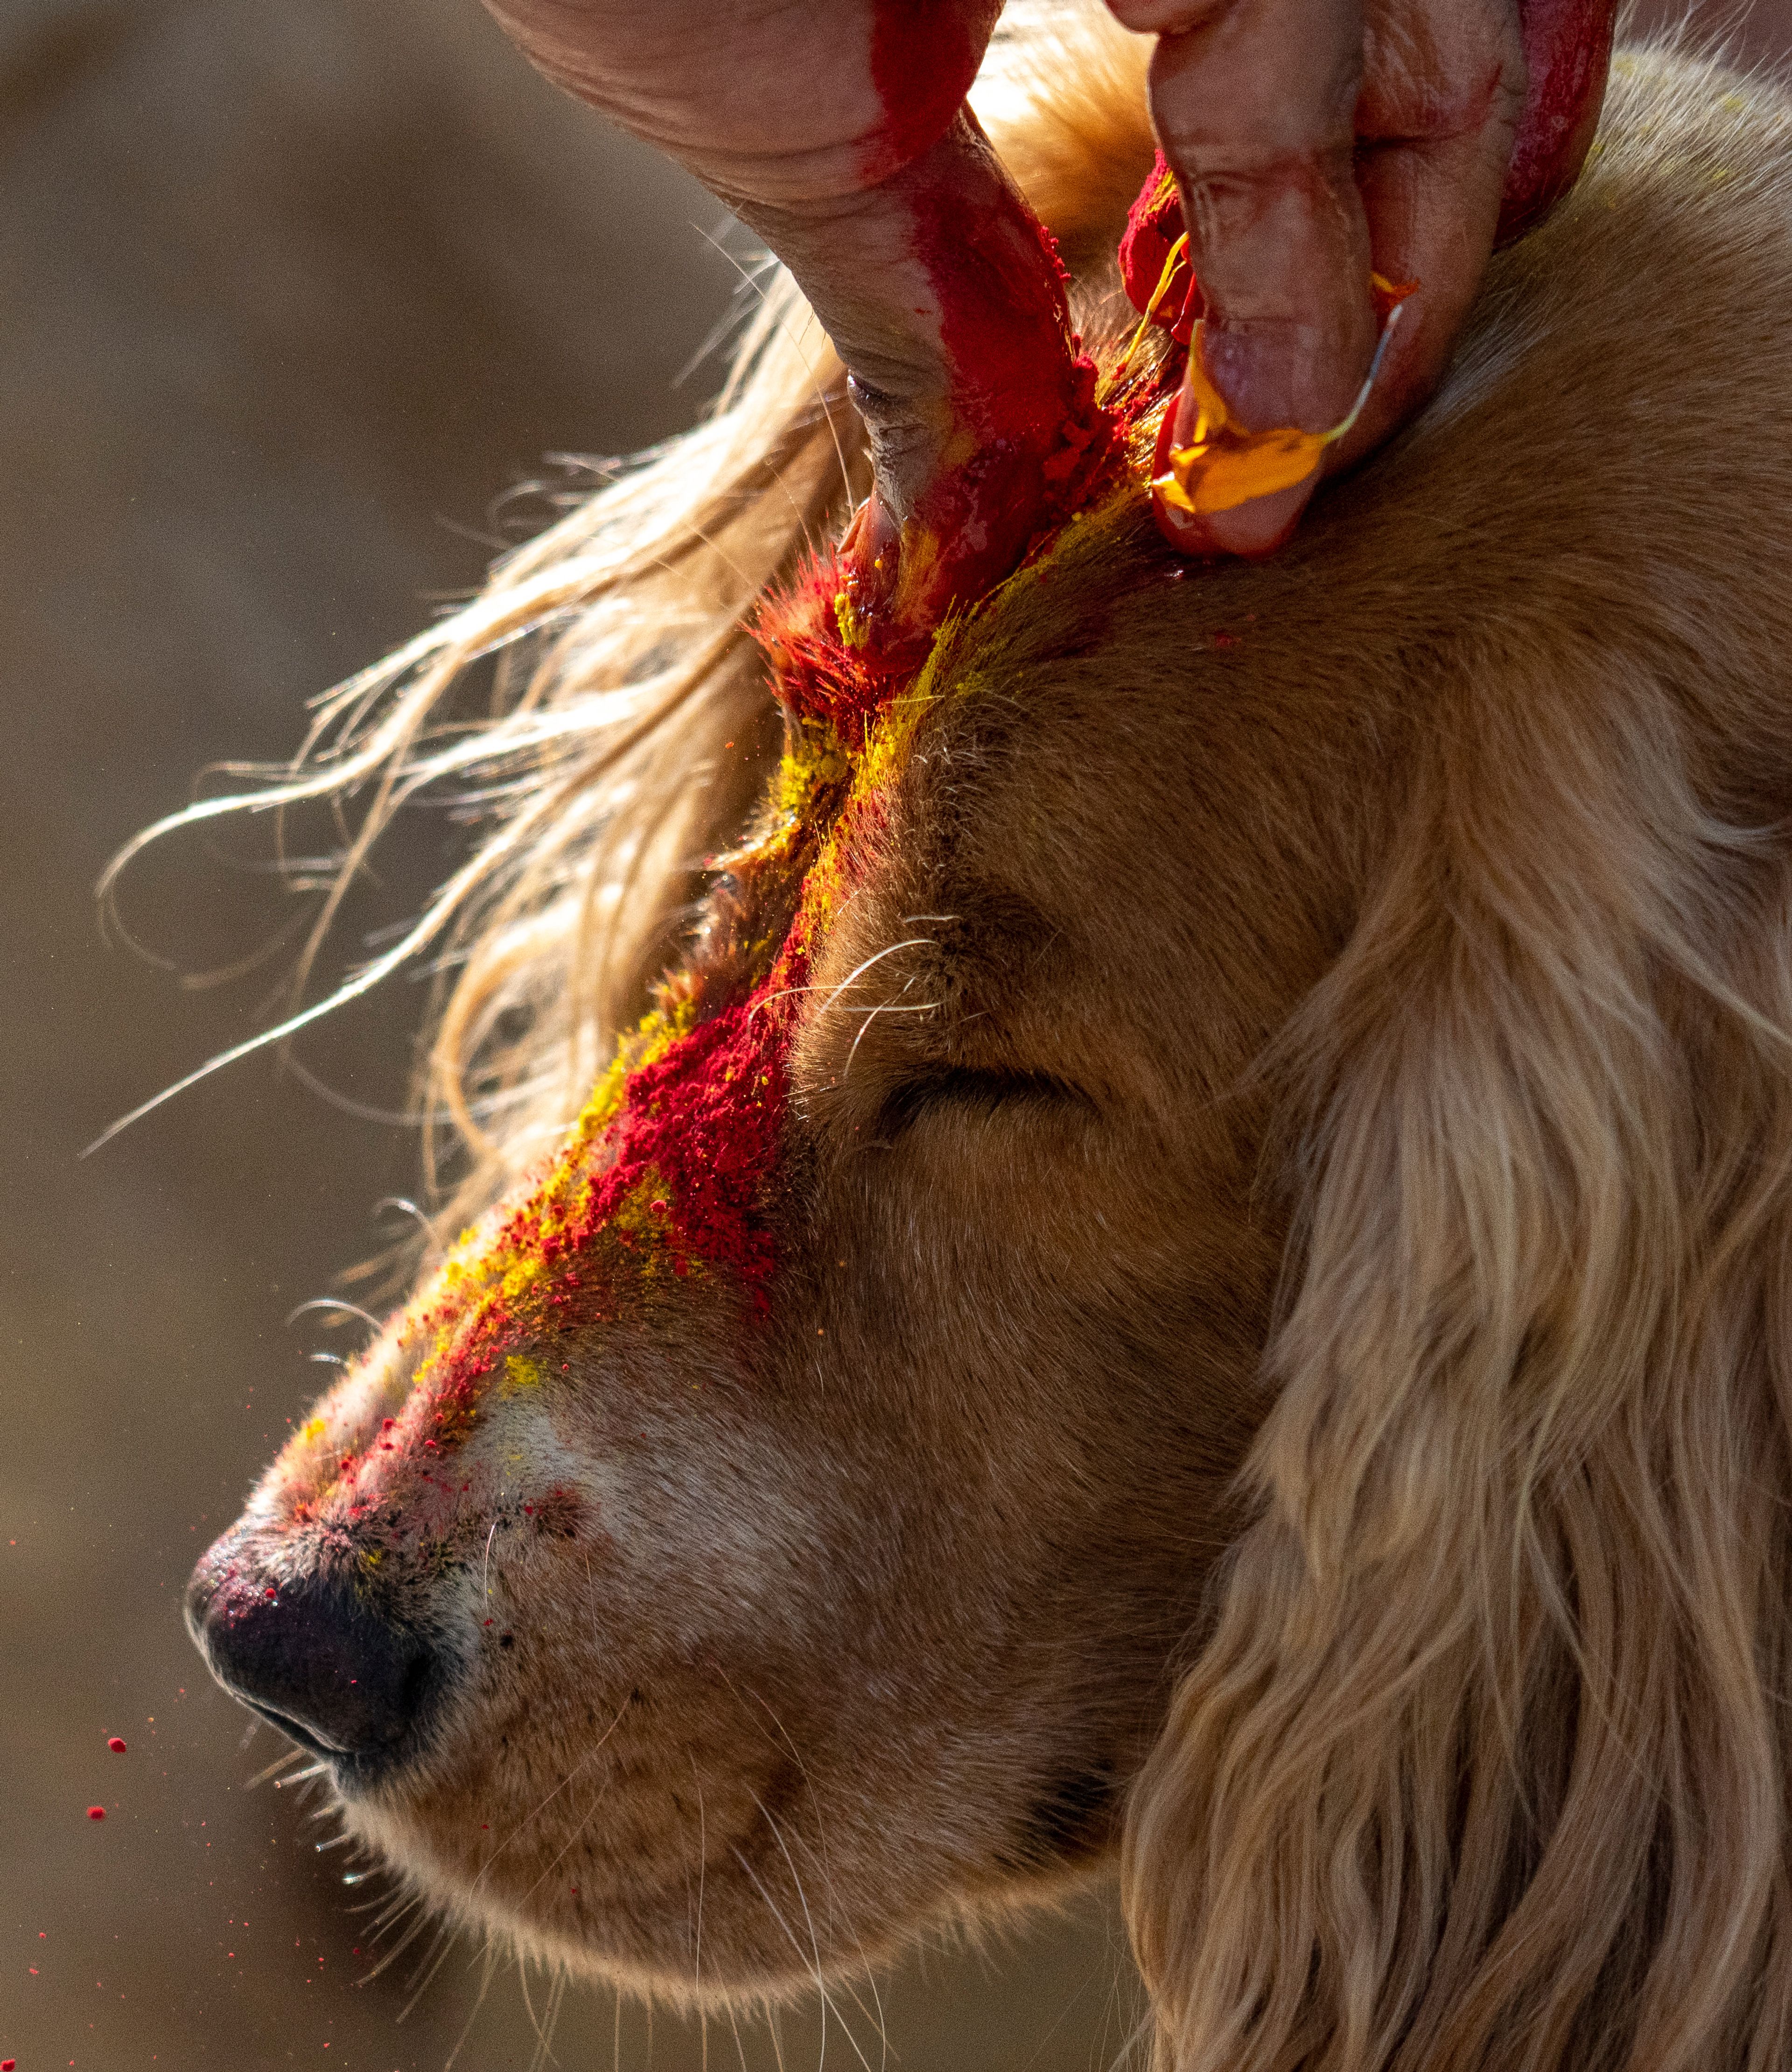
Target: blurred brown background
{"type": "Point", "coordinates": [287, 295]}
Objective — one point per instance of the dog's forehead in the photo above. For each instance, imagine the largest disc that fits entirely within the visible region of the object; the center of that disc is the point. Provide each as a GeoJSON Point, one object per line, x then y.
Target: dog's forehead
{"type": "Point", "coordinates": [903, 875]}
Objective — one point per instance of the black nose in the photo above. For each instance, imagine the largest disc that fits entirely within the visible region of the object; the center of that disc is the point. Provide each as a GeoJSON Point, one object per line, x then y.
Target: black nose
{"type": "Point", "coordinates": [308, 1655]}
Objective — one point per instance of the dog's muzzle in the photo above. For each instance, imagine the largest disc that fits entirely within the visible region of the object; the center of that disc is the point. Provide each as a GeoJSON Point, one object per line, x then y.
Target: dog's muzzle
{"type": "Point", "coordinates": [310, 1654]}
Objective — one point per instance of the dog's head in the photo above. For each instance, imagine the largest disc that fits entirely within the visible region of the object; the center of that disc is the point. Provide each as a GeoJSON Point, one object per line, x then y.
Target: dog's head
{"type": "Point", "coordinates": [1198, 1253]}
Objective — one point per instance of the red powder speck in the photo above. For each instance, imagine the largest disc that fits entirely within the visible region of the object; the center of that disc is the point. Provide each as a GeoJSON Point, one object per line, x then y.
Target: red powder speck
{"type": "Point", "coordinates": [6, 2064]}
{"type": "Point", "coordinates": [117, 1745]}
{"type": "Point", "coordinates": [96, 1812]}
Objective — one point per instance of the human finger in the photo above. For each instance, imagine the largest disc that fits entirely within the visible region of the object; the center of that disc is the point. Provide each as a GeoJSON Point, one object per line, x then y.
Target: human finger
{"type": "Point", "coordinates": [1253, 101]}
{"type": "Point", "coordinates": [1568, 55]}
{"type": "Point", "coordinates": [1443, 92]}
{"type": "Point", "coordinates": [836, 131]}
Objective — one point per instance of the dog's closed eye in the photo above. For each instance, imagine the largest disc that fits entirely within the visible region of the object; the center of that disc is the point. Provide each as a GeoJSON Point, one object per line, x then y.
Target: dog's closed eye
{"type": "Point", "coordinates": [970, 1087]}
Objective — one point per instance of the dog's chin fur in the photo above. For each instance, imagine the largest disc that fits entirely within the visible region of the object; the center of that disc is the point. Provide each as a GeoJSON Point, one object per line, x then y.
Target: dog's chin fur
{"type": "Point", "coordinates": [1283, 1371]}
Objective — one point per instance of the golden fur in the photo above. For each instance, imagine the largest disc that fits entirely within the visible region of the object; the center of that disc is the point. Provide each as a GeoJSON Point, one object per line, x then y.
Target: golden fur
{"type": "Point", "coordinates": [1286, 1367]}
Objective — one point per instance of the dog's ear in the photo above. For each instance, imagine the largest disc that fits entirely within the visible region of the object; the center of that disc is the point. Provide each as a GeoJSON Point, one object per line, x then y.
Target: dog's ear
{"type": "Point", "coordinates": [1482, 1762]}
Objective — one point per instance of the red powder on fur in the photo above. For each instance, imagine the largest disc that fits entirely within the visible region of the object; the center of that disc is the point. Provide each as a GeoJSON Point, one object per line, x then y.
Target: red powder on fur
{"type": "Point", "coordinates": [116, 1744]}
{"type": "Point", "coordinates": [679, 1174]}
{"type": "Point", "coordinates": [673, 1175]}
{"type": "Point", "coordinates": [817, 674]}
{"type": "Point", "coordinates": [96, 1812]}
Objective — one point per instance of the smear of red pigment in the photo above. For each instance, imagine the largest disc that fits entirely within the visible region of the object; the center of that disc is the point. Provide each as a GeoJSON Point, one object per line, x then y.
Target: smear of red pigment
{"type": "Point", "coordinates": [924, 57]}
{"type": "Point", "coordinates": [1020, 384]}
{"type": "Point", "coordinates": [1021, 397]}
{"type": "Point", "coordinates": [96, 1812]}
{"type": "Point", "coordinates": [116, 1744]}
{"type": "Point", "coordinates": [1568, 49]}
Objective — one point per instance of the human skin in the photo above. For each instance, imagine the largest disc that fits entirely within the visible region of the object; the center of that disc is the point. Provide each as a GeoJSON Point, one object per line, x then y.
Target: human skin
{"type": "Point", "coordinates": [1313, 142]}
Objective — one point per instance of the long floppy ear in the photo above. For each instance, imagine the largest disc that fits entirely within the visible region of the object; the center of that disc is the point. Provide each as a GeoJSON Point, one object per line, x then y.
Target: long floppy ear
{"type": "Point", "coordinates": [1481, 1764]}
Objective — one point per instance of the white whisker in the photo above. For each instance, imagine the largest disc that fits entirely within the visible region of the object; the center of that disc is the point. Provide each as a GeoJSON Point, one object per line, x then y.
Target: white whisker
{"type": "Point", "coordinates": [589, 1754]}
{"type": "Point", "coordinates": [890, 950]}
{"type": "Point", "coordinates": [486, 1973]}
{"type": "Point", "coordinates": [433, 1959]}
{"type": "Point", "coordinates": [485, 1578]}
{"type": "Point", "coordinates": [892, 1007]}
{"type": "Point", "coordinates": [808, 1920]}
{"type": "Point", "coordinates": [283, 1760]}
{"type": "Point", "coordinates": [335, 1302]}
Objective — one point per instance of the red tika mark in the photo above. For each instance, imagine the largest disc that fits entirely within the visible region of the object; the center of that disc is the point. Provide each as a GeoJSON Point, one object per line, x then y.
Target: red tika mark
{"type": "Point", "coordinates": [96, 1812]}
{"type": "Point", "coordinates": [117, 1745]}
{"type": "Point", "coordinates": [694, 1143]}
{"type": "Point", "coordinates": [673, 1171]}
{"type": "Point", "coordinates": [705, 1119]}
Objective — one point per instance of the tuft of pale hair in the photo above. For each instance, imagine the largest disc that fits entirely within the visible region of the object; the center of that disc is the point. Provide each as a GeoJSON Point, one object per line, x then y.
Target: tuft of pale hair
{"type": "Point", "coordinates": [1482, 1764]}
{"type": "Point", "coordinates": [631, 724]}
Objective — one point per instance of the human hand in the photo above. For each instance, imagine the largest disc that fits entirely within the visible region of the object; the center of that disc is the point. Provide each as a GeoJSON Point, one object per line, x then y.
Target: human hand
{"type": "Point", "coordinates": [1312, 140]}
{"type": "Point", "coordinates": [1316, 142]}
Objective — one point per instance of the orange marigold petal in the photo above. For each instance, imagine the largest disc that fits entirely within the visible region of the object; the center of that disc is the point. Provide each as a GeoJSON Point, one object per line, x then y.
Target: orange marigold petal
{"type": "Point", "coordinates": [1231, 470]}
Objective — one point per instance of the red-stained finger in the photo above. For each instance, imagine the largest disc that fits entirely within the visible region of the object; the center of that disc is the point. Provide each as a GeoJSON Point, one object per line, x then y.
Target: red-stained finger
{"type": "Point", "coordinates": [1442, 92]}
{"type": "Point", "coordinates": [1568, 52]}
{"type": "Point", "coordinates": [836, 129]}
{"type": "Point", "coordinates": [792, 102]}
{"type": "Point", "coordinates": [1254, 103]}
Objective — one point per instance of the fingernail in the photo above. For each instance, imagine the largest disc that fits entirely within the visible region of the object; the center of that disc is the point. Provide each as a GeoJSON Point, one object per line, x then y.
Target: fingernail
{"type": "Point", "coordinates": [1276, 377]}
{"type": "Point", "coordinates": [1246, 530]}
{"type": "Point", "coordinates": [1260, 527]}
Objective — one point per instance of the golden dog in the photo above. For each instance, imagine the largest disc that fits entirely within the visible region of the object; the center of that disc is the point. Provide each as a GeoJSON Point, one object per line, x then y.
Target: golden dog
{"type": "Point", "coordinates": [1197, 1259]}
